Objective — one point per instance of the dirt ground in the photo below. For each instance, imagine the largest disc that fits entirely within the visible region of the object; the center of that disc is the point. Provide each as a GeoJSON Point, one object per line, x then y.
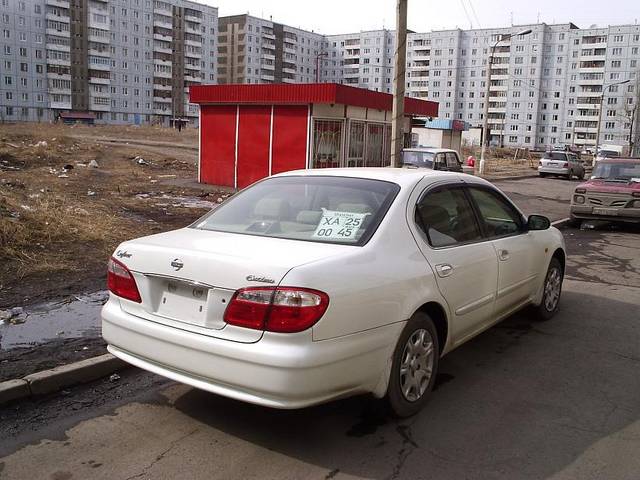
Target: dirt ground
{"type": "Point", "coordinates": [61, 216]}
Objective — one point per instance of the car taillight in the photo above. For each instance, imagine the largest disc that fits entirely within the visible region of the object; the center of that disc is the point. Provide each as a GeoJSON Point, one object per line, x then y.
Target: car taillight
{"type": "Point", "coordinates": [566, 165]}
{"type": "Point", "coordinates": [281, 309]}
{"type": "Point", "coordinates": [120, 282]}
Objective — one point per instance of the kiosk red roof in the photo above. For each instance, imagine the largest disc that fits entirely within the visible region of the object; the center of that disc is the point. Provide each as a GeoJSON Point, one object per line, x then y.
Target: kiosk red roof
{"type": "Point", "coordinates": [305, 93]}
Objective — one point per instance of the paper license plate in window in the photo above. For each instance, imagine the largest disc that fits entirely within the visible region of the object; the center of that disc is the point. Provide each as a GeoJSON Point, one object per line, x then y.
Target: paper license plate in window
{"type": "Point", "coordinates": [184, 302]}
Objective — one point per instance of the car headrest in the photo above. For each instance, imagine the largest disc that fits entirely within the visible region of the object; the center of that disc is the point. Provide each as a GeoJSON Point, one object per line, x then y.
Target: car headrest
{"type": "Point", "coordinates": [272, 208]}
{"type": "Point", "coordinates": [311, 217]}
{"type": "Point", "coordinates": [354, 208]}
{"type": "Point", "coordinates": [435, 216]}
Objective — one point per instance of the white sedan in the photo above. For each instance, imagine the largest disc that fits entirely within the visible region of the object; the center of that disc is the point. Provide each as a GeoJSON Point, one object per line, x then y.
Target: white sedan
{"type": "Point", "coordinates": [318, 284]}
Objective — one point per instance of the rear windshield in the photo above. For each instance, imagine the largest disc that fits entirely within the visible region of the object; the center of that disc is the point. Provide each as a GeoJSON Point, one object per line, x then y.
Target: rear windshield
{"type": "Point", "coordinates": [555, 156]}
{"type": "Point", "coordinates": [418, 159]}
{"type": "Point", "coordinates": [314, 208]}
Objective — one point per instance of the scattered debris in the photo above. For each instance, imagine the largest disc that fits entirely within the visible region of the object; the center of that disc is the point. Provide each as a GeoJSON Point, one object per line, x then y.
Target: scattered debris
{"type": "Point", "coordinates": [41, 144]}
{"type": "Point", "coordinates": [63, 175]}
{"type": "Point", "coordinates": [93, 164]}
{"type": "Point", "coordinates": [114, 377]}
{"type": "Point", "coordinates": [91, 193]}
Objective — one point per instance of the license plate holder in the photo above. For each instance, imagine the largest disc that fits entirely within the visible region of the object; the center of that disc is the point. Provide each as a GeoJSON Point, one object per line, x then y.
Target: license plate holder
{"type": "Point", "coordinates": [184, 302]}
{"type": "Point", "coordinates": [611, 212]}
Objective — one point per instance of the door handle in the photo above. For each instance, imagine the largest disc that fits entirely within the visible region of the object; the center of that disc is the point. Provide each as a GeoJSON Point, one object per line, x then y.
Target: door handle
{"type": "Point", "coordinates": [503, 255]}
{"type": "Point", "coordinates": [444, 270]}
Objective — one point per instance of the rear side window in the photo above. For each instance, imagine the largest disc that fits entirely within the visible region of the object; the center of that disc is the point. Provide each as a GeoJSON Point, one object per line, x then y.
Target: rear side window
{"type": "Point", "coordinates": [446, 218]}
{"type": "Point", "coordinates": [555, 156]}
{"type": "Point", "coordinates": [452, 160]}
{"type": "Point", "coordinates": [499, 217]}
{"type": "Point", "coordinates": [313, 208]}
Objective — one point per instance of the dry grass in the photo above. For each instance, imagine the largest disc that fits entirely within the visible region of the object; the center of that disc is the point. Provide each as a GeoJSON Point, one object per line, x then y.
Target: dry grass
{"type": "Point", "coordinates": [35, 235]}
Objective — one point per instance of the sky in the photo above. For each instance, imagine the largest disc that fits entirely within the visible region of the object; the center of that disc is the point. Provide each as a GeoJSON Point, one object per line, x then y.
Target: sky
{"type": "Point", "coordinates": [347, 16]}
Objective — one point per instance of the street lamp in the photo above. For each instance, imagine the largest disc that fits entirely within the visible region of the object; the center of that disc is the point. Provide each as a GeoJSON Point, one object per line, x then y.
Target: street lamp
{"type": "Point", "coordinates": [485, 126]}
{"type": "Point", "coordinates": [604, 90]}
{"type": "Point", "coordinates": [321, 54]}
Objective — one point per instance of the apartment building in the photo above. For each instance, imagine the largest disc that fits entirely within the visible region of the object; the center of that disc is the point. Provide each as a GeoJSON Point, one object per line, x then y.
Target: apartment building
{"type": "Point", "coordinates": [129, 61]}
{"type": "Point", "coordinates": [254, 50]}
{"type": "Point", "coordinates": [545, 87]}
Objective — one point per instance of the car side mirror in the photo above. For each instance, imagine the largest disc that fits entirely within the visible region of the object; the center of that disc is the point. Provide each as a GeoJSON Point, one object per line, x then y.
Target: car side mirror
{"type": "Point", "coordinates": [538, 222]}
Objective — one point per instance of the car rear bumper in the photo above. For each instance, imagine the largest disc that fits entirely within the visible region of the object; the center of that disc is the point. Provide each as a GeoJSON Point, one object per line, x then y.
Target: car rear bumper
{"type": "Point", "coordinates": [279, 371]}
{"type": "Point", "coordinates": [553, 171]}
{"type": "Point", "coordinates": [584, 212]}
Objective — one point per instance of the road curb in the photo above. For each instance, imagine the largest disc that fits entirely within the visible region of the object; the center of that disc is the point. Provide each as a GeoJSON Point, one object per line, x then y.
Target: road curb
{"type": "Point", "coordinates": [561, 223]}
{"type": "Point", "coordinates": [512, 177]}
{"type": "Point", "coordinates": [55, 379]}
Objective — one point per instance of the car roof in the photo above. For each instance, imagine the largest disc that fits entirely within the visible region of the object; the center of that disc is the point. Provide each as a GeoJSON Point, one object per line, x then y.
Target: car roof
{"type": "Point", "coordinates": [405, 177]}
{"type": "Point", "coordinates": [429, 150]}
{"type": "Point", "coordinates": [619, 160]}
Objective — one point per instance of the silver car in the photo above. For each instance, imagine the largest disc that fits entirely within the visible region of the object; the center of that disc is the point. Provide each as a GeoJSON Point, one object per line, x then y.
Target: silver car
{"type": "Point", "coordinates": [563, 164]}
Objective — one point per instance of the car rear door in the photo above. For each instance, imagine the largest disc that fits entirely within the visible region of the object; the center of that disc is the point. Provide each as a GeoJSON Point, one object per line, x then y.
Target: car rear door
{"type": "Point", "coordinates": [518, 252]}
{"type": "Point", "coordinates": [465, 266]}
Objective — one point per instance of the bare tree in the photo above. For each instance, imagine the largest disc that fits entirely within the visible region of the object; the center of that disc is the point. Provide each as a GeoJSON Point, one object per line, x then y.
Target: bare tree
{"type": "Point", "coordinates": [630, 115]}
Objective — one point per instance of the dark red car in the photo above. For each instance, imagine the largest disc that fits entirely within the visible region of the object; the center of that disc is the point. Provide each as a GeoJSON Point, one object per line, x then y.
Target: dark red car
{"type": "Point", "coordinates": [612, 193]}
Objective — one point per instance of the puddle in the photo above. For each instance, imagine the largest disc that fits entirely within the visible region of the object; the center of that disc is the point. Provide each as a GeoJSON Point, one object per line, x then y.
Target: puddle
{"type": "Point", "coordinates": [75, 317]}
{"type": "Point", "coordinates": [178, 201]}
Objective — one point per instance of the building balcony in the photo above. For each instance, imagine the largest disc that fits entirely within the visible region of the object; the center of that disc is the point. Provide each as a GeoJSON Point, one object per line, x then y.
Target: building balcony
{"type": "Point", "coordinates": [586, 118]}
{"type": "Point", "coordinates": [193, 43]}
{"type": "Point", "coordinates": [58, 18]}
{"type": "Point", "coordinates": [586, 129]}
{"type": "Point", "coordinates": [592, 58]}
{"type": "Point", "coordinates": [592, 69]}
{"type": "Point", "coordinates": [497, 109]}
{"type": "Point", "coordinates": [58, 33]}
{"type": "Point", "coordinates": [161, 37]}
{"type": "Point", "coordinates": [499, 77]}
{"type": "Point", "coordinates": [290, 49]}
{"type": "Point", "coordinates": [99, 39]}
{"type": "Point", "coordinates": [270, 36]}
{"type": "Point", "coordinates": [57, 61]}
{"type": "Point", "coordinates": [158, 61]}
{"type": "Point", "coordinates": [289, 70]}
{"type": "Point", "coordinates": [192, 18]}
{"type": "Point", "coordinates": [591, 81]}
{"type": "Point", "coordinates": [100, 66]}
{"type": "Point", "coordinates": [98, 107]}
{"type": "Point", "coordinates": [267, 66]}
{"type": "Point", "coordinates": [60, 105]}
{"type": "Point", "coordinates": [166, 50]}
{"type": "Point", "coordinates": [189, 77]}
{"type": "Point", "coordinates": [59, 91]}
{"type": "Point", "coordinates": [99, 53]}
{"type": "Point", "coordinates": [163, 23]}
{"type": "Point", "coordinates": [159, 86]}
{"type": "Point", "coordinates": [100, 80]}
{"type": "Point", "coordinates": [58, 3]}
{"type": "Point", "coordinates": [498, 88]}
{"type": "Point", "coordinates": [58, 48]}
{"type": "Point", "coordinates": [162, 99]}
{"type": "Point", "coordinates": [587, 106]}
{"type": "Point", "coordinates": [501, 54]}
{"type": "Point", "coordinates": [162, 74]}
{"type": "Point", "coordinates": [264, 76]}
{"type": "Point", "coordinates": [59, 76]}
{"type": "Point", "coordinates": [162, 111]}
{"type": "Point", "coordinates": [195, 31]}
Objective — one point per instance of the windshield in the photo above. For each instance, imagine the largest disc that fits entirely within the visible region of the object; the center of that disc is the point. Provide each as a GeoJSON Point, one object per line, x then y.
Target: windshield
{"type": "Point", "coordinates": [314, 208]}
{"type": "Point", "coordinates": [555, 156]}
{"type": "Point", "coordinates": [609, 154]}
{"type": "Point", "coordinates": [418, 159]}
{"type": "Point", "coordinates": [623, 171]}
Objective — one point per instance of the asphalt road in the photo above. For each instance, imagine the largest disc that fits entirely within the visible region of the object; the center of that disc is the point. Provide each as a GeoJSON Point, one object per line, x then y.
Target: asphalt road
{"type": "Point", "coordinates": [559, 399]}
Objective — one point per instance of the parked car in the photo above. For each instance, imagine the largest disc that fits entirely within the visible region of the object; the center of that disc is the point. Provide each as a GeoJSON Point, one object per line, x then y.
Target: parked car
{"type": "Point", "coordinates": [563, 164]}
{"type": "Point", "coordinates": [434, 158]}
{"type": "Point", "coordinates": [318, 284]}
{"type": "Point", "coordinates": [603, 154]}
{"type": "Point", "coordinates": [612, 193]}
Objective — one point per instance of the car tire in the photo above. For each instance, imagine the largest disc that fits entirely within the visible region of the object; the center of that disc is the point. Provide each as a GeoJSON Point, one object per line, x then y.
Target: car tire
{"type": "Point", "coordinates": [574, 222]}
{"type": "Point", "coordinates": [581, 177]}
{"type": "Point", "coordinates": [543, 175]}
{"type": "Point", "coordinates": [551, 291]}
{"type": "Point", "coordinates": [569, 175]}
{"type": "Point", "coordinates": [408, 390]}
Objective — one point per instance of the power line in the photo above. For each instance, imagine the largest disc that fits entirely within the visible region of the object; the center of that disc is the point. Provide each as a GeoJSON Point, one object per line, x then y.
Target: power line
{"type": "Point", "coordinates": [475, 15]}
{"type": "Point", "coordinates": [466, 13]}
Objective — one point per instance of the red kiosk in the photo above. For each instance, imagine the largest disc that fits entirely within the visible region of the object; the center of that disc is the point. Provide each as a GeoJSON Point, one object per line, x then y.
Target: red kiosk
{"type": "Point", "coordinates": [248, 132]}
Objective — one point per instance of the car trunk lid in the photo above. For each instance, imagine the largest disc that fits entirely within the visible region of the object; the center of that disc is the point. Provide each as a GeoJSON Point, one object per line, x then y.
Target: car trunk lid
{"type": "Point", "coordinates": [187, 277]}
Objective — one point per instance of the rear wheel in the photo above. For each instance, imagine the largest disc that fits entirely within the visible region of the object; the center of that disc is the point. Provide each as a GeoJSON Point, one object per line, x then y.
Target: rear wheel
{"type": "Point", "coordinates": [414, 368]}
{"type": "Point", "coordinates": [570, 174]}
{"type": "Point", "coordinates": [543, 175]}
{"type": "Point", "coordinates": [551, 290]}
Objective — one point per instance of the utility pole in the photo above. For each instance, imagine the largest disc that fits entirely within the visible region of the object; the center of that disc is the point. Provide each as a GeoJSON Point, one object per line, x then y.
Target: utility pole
{"type": "Point", "coordinates": [399, 82]}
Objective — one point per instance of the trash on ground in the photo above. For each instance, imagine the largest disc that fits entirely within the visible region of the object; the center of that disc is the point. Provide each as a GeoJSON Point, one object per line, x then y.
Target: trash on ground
{"type": "Point", "coordinates": [93, 164]}
{"type": "Point", "coordinates": [91, 193]}
{"type": "Point", "coordinates": [114, 377]}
